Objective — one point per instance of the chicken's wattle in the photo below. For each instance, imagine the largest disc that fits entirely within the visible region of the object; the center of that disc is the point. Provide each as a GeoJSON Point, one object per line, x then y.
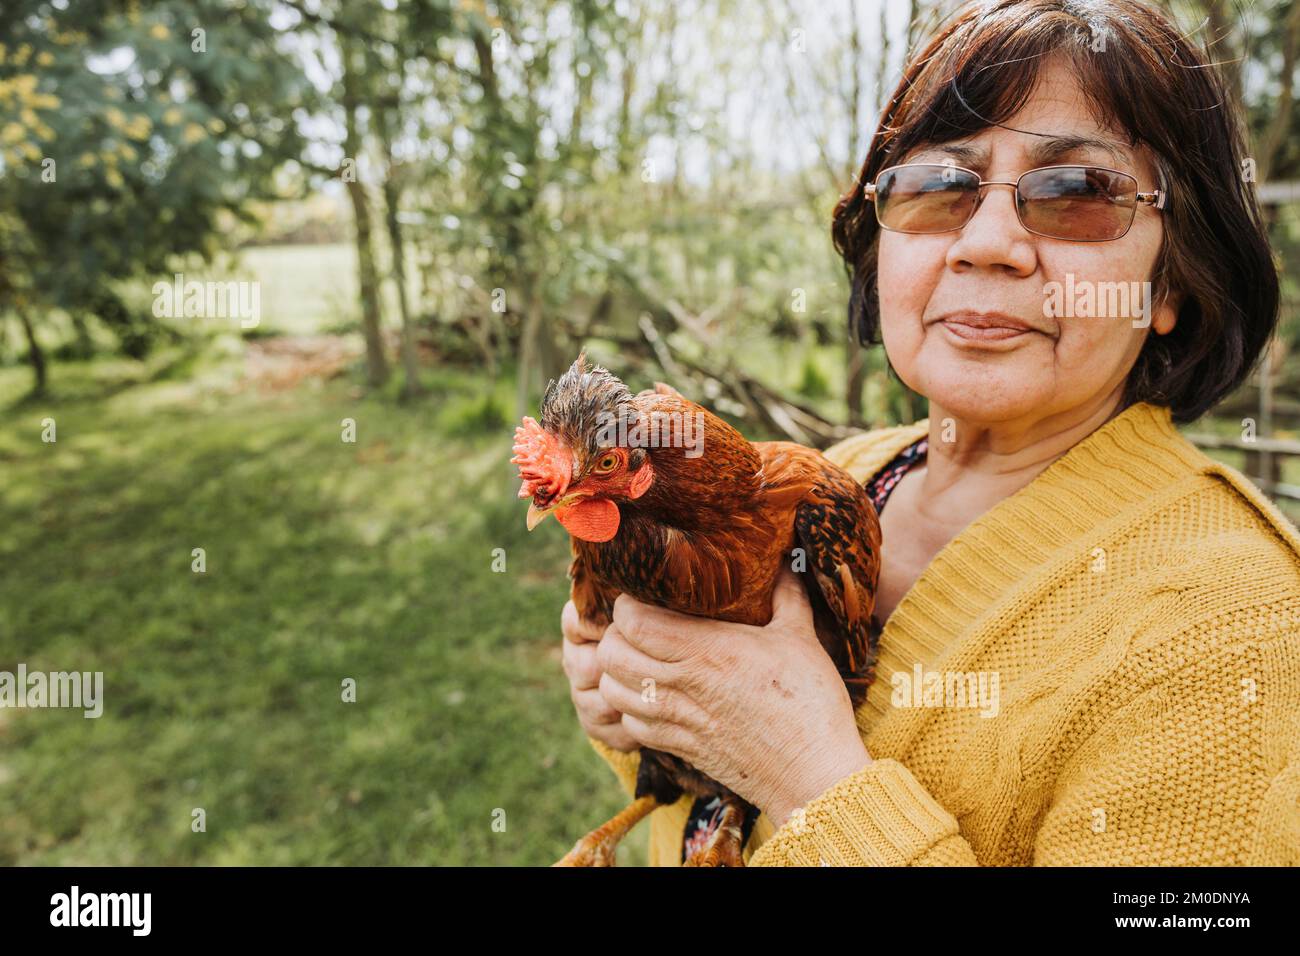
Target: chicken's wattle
{"type": "Point", "coordinates": [591, 519]}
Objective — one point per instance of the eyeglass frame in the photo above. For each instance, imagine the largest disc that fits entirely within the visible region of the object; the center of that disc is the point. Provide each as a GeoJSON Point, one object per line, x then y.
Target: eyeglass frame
{"type": "Point", "coordinates": [1158, 199]}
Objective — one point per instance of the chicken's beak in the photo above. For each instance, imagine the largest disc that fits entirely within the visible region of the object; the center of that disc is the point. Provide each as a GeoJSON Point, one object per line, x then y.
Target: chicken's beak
{"type": "Point", "coordinates": [535, 515]}
{"type": "Point", "coordinates": [556, 507]}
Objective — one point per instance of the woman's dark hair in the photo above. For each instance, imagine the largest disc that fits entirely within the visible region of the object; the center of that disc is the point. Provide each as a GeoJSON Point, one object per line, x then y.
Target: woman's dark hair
{"type": "Point", "coordinates": [1139, 75]}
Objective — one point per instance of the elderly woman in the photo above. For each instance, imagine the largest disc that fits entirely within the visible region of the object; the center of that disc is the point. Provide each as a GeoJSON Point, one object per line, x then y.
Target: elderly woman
{"type": "Point", "coordinates": [1090, 631]}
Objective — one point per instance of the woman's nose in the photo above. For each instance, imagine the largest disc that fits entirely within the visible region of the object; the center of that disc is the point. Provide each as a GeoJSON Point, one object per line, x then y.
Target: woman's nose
{"type": "Point", "coordinates": [994, 236]}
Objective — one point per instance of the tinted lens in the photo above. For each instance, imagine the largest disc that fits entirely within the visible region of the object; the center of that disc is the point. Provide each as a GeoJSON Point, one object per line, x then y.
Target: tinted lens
{"type": "Point", "coordinates": [1082, 203]}
{"type": "Point", "coordinates": [924, 198]}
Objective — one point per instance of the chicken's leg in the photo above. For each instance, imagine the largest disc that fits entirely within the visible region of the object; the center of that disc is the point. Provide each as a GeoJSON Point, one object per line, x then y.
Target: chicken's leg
{"type": "Point", "coordinates": [725, 846]}
{"type": "Point", "coordinates": [597, 847]}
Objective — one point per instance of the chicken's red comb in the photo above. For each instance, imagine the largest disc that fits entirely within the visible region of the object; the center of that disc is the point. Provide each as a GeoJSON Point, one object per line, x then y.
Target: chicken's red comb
{"type": "Point", "coordinates": [544, 463]}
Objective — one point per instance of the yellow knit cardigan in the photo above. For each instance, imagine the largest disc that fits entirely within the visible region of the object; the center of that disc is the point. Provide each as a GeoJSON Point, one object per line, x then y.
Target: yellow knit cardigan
{"type": "Point", "coordinates": [1137, 608]}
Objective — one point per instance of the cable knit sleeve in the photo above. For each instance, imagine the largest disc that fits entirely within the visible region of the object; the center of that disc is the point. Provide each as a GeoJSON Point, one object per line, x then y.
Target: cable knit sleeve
{"type": "Point", "coordinates": [1183, 750]}
{"type": "Point", "coordinates": [879, 816]}
{"type": "Point", "coordinates": [1201, 768]}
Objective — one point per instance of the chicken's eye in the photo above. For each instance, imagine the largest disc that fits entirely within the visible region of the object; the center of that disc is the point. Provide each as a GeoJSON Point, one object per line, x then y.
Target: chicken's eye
{"type": "Point", "coordinates": [607, 463]}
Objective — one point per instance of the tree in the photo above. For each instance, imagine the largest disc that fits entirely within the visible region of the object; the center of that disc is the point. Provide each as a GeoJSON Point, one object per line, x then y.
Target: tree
{"type": "Point", "coordinates": [124, 134]}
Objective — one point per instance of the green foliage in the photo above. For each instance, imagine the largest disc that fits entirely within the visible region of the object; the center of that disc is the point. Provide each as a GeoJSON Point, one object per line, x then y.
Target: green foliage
{"type": "Point", "coordinates": [130, 129]}
{"type": "Point", "coordinates": [813, 383]}
{"type": "Point", "coordinates": [481, 415]}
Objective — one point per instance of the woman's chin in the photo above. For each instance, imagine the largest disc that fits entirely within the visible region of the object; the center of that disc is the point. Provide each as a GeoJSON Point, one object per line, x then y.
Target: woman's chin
{"type": "Point", "coordinates": [1000, 395]}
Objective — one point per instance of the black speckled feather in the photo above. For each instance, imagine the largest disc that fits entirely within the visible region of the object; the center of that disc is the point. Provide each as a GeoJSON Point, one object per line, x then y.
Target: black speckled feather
{"type": "Point", "coordinates": [711, 534]}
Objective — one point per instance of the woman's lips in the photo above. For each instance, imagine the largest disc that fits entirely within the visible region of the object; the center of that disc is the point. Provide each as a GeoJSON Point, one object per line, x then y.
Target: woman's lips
{"type": "Point", "coordinates": [985, 333]}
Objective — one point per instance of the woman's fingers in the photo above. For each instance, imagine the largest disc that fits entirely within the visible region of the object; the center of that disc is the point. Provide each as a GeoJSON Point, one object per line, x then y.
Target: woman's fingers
{"type": "Point", "coordinates": [616, 736]}
{"type": "Point", "coordinates": [580, 664]}
{"type": "Point", "coordinates": [575, 628]}
{"type": "Point", "coordinates": [602, 721]}
{"type": "Point", "coordinates": [629, 666]}
{"type": "Point", "coordinates": [578, 655]}
{"type": "Point", "coordinates": [594, 708]}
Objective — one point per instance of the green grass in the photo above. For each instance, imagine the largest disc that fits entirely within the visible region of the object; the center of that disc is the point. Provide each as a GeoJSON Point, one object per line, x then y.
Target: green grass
{"type": "Point", "coordinates": [304, 288]}
{"type": "Point", "coordinates": [325, 560]}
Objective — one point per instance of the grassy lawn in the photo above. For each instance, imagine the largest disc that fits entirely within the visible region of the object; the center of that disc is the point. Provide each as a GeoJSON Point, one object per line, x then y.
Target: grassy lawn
{"type": "Point", "coordinates": [325, 561]}
{"type": "Point", "coordinates": [304, 288]}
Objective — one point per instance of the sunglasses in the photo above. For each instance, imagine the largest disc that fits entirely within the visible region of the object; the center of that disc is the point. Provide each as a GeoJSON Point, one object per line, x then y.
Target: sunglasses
{"type": "Point", "coordinates": [1079, 203]}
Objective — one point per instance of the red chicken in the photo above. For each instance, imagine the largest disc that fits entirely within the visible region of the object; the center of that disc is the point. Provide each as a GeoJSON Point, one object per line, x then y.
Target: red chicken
{"type": "Point", "coordinates": [668, 502]}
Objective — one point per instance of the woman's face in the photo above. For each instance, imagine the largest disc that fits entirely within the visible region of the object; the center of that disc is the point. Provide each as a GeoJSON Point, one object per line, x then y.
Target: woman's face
{"type": "Point", "coordinates": [994, 265]}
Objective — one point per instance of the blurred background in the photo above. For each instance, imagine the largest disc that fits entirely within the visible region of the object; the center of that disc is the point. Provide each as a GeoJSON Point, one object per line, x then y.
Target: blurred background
{"type": "Point", "coordinates": [278, 277]}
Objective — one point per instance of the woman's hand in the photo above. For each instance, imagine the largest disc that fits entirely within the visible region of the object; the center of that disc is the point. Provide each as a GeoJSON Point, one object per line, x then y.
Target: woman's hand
{"type": "Point", "coordinates": [761, 710]}
{"type": "Point", "coordinates": [598, 719]}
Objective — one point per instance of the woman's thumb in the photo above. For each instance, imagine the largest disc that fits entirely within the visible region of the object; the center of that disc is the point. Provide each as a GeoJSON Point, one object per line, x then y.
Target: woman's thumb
{"type": "Point", "coordinates": [790, 604]}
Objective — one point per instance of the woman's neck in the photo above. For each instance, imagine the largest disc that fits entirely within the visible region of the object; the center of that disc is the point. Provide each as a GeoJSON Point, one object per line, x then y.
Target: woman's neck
{"type": "Point", "coordinates": [970, 466]}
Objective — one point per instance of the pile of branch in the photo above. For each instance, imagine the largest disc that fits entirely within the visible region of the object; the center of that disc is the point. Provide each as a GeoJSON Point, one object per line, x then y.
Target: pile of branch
{"type": "Point", "coordinates": [282, 363]}
{"type": "Point", "coordinates": [729, 391]}
{"type": "Point", "coordinates": [722, 389]}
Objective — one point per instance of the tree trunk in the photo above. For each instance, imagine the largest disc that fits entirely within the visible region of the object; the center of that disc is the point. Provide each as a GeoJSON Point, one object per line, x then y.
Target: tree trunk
{"type": "Point", "coordinates": [85, 344]}
{"type": "Point", "coordinates": [410, 360]}
{"type": "Point", "coordinates": [1223, 50]}
{"type": "Point", "coordinates": [855, 384]}
{"type": "Point", "coordinates": [1274, 136]}
{"type": "Point", "coordinates": [533, 350]}
{"type": "Point", "coordinates": [626, 141]}
{"type": "Point", "coordinates": [35, 354]}
{"type": "Point", "coordinates": [392, 200]}
{"type": "Point", "coordinates": [367, 274]}
{"type": "Point", "coordinates": [913, 28]}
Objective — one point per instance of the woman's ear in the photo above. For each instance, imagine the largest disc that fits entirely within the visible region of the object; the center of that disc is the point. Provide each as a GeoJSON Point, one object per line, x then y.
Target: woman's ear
{"type": "Point", "coordinates": [1166, 316]}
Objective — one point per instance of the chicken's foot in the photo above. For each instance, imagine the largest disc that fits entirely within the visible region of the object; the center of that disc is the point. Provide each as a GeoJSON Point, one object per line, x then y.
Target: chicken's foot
{"type": "Point", "coordinates": [597, 847]}
{"type": "Point", "coordinates": [725, 846]}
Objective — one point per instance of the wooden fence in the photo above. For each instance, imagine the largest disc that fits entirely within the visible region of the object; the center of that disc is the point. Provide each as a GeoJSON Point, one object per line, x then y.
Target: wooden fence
{"type": "Point", "coordinates": [1263, 451]}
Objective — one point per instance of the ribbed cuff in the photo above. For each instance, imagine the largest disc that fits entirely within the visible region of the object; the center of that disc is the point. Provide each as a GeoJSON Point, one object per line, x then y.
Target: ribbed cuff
{"type": "Point", "coordinates": [878, 816]}
{"type": "Point", "coordinates": [624, 764]}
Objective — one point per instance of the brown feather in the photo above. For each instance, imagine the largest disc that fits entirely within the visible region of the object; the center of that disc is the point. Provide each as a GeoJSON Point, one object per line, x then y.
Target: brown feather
{"type": "Point", "coordinates": [710, 536]}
